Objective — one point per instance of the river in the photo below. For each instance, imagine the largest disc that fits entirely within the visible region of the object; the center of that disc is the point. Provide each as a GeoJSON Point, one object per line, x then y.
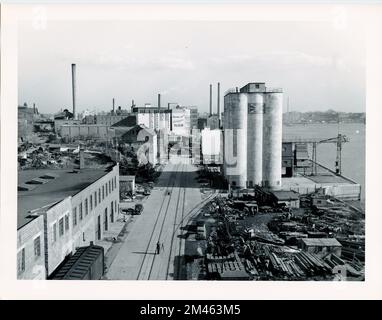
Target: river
{"type": "Point", "coordinates": [353, 152]}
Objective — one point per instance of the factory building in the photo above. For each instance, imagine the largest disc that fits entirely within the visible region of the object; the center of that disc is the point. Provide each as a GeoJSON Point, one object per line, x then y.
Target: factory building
{"type": "Point", "coordinates": [60, 210]}
{"type": "Point", "coordinates": [181, 121]}
{"type": "Point", "coordinates": [253, 136]}
{"type": "Point", "coordinates": [85, 131]}
{"type": "Point", "coordinates": [196, 146]}
{"type": "Point", "coordinates": [212, 148]}
{"type": "Point", "coordinates": [109, 119]}
{"type": "Point", "coordinates": [193, 117]}
{"type": "Point", "coordinates": [153, 118]}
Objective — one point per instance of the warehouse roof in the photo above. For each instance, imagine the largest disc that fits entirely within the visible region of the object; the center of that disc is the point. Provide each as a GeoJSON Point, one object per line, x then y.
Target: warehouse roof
{"type": "Point", "coordinates": [286, 195]}
{"type": "Point", "coordinates": [46, 187]}
{"type": "Point", "coordinates": [321, 242]}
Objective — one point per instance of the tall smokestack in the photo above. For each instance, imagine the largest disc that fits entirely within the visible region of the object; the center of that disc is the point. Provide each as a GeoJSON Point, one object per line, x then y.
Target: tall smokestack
{"type": "Point", "coordinates": [74, 89]}
{"type": "Point", "coordinates": [218, 100]}
{"type": "Point", "coordinates": [210, 99]}
{"type": "Point", "coordinates": [34, 108]}
{"type": "Point", "coordinates": [113, 105]}
{"type": "Point", "coordinates": [158, 100]}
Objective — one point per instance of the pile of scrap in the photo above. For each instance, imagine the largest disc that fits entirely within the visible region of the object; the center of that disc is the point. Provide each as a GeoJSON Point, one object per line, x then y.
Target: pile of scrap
{"type": "Point", "coordinates": [353, 248]}
{"type": "Point", "coordinates": [311, 265]}
{"type": "Point", "coordinates": [227, 267]}
{"type": "Point", "coordinates": [286, 267]}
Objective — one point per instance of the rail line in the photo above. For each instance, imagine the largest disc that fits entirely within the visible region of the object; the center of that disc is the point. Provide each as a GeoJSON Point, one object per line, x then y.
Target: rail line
{"type": "Point", "coordinates": [156, 221]}
{"type": "Point", "coordinates": [161, 229]}
{"type": "Point", "coordinates": [174, 228]}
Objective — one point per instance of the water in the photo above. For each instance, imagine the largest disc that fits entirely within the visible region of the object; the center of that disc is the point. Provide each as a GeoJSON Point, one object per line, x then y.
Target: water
{"type": "Point", "coordinates": [353, 152]}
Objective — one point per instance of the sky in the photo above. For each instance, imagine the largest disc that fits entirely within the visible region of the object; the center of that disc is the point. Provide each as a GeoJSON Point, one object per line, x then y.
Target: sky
{"type": "Point", "coordinates": [319, 65]}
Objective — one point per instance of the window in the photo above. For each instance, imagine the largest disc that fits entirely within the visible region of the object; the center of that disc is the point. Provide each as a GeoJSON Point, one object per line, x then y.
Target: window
{"type": "Point", "coordinates": [112, 212]}
{"type": "Point", "coordinates": [66, 222]}
{"type": "Point", "coordinates": [109, 187]}
{"type": "Point", "coordinates": [80, 211]}
{"type": "Point", "coordinates": [95, 199]}
{"type": "Point", "coordinates": [91, 202]}
{"type": "Point", "coordinates": [54, 232]}
{"type": "Point", "coordinates": [86, 207]}
{"type": "Point", "coordinates": [106, 189]}
{"type": "Point", "coordinates": [112, 184]}
{"type": "Point", "coordinates": [74, 216]}
{"type": "Point", "coordinates": [99, 195]}
{"type": "Point", "coordinates": [103, 192]}
{"type": "Point", "coordinates": [21, 261]}
{"type": "Point", "coordinates": [61, 227]}
{"type": "Point", "coordinates": [37, 247]}
{"type": "Point", "coordinates": [105, 225]}
{"type": "Point", "coordinates": [115, 205]}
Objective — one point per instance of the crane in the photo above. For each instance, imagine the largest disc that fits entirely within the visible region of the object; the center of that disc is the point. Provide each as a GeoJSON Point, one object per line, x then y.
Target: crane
{"type": "Point", "coordinates": [339, 140]}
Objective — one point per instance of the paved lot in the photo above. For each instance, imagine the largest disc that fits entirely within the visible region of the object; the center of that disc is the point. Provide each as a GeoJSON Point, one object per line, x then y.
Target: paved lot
{"type": "Point", "coordinates": [161, 220]}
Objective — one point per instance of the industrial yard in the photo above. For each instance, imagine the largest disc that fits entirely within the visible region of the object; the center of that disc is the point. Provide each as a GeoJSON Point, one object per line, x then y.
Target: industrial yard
{"type": "Point", "coordinates": [254, 237]}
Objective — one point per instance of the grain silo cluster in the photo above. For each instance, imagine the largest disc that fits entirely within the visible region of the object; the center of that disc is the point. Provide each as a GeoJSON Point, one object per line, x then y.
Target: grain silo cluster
{"type": "Point", "coordinates": [253, 136]}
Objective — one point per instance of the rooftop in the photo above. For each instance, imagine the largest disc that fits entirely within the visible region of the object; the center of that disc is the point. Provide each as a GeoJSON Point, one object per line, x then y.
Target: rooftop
{"type": "Point", "coordinates": [286, 195]}
{"type": "Point", "coordinates": [45, 187]}
{"type": "Point", "coordinates": [321, 242]}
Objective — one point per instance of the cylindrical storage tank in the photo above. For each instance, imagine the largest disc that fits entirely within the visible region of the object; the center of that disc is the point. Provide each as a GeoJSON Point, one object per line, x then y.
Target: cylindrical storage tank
{"type": "Point", "coordinates": [235, 139]}
{"type": "Point", "coordinates": [272, 139]}
{"type": "Point", "coordinates": [255, 139]}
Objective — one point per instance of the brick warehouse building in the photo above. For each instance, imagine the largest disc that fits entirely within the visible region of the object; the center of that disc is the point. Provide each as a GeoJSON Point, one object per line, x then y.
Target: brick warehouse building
{"type": "Point", "coordinates": [60, 210]}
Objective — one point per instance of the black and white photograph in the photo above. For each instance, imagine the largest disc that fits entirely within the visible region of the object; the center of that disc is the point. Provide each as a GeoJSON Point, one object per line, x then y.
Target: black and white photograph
{"type": "Point", "coordinates": [157, 147]}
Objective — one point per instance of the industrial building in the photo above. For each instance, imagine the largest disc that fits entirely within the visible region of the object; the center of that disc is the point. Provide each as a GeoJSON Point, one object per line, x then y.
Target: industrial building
{"type": "Point", "coordinates": [193, 116]}
{"type": "Point", "coordinates": [60, 210]}
{"type": "Point", "coordinates": [181, 121]}
{"type": "Point", "coordinates": [85, 131]}
{"type": "Point", "coordinates": [253, 136]}
{"type": "Point", "coordinates": [212, 146]}
{"type": "Point", "coordinates": [155, 118]}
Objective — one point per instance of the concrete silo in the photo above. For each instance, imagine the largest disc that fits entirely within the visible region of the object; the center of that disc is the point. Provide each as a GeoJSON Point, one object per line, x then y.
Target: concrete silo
{"type": "Point", "coordinates": [235, 138]}
{"type": "Point", "coordinates": [255, 139]}
{"type": "Point", "coordinates": [272, 139]}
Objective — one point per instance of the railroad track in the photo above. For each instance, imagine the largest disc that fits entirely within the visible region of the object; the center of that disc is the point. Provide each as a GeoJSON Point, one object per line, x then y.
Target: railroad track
{"type": "Point", "coordinates": [176, 225]}
{"type": "Point", "coordinates": [174, 230]}
{"type": "Point", "coordinates": [161, 229]}
{"type": "Point", "coordinates": [156, 221]}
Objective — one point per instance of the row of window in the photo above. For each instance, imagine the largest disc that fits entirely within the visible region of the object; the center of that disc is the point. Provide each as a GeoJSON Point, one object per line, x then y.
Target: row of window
{"type": "Point", "coordinates": [94, 200]}
{"type": "Point", "coordinates": [21, 255]}
{"type": "Point", "coordinates": [63, 227]}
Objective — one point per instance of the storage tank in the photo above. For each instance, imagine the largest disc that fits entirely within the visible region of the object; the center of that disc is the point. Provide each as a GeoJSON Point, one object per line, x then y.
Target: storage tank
{"type": "Point", "coordinates": [235, 138]}
{"type": "Point", "coordinates": [272, 139]}
{"type": "Point", "coordinates": [255, 139]}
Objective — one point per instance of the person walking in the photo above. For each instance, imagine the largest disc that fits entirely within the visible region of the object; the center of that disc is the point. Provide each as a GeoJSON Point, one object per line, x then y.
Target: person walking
{"type": "Point", "coordinates": [158, 248]}
{"type": "Point", "coordinates": [162, 246]}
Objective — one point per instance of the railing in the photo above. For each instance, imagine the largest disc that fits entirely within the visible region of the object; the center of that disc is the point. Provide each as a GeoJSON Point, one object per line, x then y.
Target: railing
{"type": "Point", "coordinates": [267, 90]}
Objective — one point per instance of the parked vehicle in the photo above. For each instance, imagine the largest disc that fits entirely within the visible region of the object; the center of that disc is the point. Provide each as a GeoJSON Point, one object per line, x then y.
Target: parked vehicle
{"type": "Point", "coordinates": [138, 208]}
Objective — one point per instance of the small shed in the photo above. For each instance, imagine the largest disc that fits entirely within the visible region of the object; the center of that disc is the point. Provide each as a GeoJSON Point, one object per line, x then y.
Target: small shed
{"type": "Point", "coordinates": [291, 199]}
{"type": "Point", "coordinates": [127, 183]}
{"type": "Point", "coordinates": [321, 246]}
